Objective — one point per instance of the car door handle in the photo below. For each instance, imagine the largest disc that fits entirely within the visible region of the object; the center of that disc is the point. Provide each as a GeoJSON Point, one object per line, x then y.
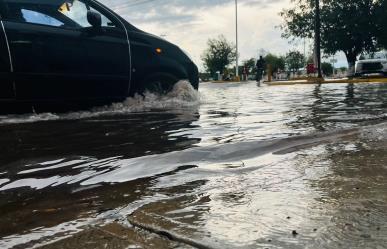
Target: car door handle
{"type": "Point", "coordinates": [21, 42]}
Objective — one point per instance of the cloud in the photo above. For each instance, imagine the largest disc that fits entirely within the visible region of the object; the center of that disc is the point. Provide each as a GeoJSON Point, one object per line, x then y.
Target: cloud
{"type": "Point", "coordinates": [189, 24]}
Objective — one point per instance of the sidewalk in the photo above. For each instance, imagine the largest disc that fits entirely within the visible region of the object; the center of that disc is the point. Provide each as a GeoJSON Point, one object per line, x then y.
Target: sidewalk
{"type": "Point", "coordinates": [327, 81]}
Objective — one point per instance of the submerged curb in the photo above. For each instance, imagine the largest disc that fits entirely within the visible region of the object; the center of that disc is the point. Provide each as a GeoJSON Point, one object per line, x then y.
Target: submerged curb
{"type": "Point", "coordinates": [167, 234]}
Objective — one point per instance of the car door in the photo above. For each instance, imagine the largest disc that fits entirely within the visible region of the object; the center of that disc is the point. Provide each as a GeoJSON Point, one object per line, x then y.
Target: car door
{"type": "Point", "coordinates": [107, 50]}
{"type": "Point", "coordinates": [6, 81]}
{"type": "Point", "coordinates": [53, 47]}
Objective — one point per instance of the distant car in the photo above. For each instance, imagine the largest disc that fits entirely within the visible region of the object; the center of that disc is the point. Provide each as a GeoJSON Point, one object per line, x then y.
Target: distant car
{"type": "Point", "coordinates": [61, 55]}
{"type": "Point", "coordinates": [371, 66]}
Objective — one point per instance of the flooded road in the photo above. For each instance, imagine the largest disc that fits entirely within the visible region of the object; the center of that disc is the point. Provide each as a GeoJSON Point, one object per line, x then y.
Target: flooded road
{"type": "Point", "coordinates": [233, 166]}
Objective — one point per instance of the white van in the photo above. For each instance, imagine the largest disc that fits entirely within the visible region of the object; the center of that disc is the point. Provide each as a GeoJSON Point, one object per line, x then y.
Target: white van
{"type": "Point", "coordinates": [377, 64]}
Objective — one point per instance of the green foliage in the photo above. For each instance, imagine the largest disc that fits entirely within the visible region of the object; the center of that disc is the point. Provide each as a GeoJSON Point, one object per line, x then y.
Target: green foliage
{"type": "Point", "coordinates": [219, 54]}
{"type": "Point", "coordinates": [327, 68]}
{"type": "Point", "coordinates": [298, 21]}
{"type": "Point", "coordinates": [205, 76]}
{"type": "Point", "coordinates": [277, 63]}
{"type": "Point", "coordinates": [250, 65]}
{"type": "Point", "coordinates": [347, 25]}
{"type": "Point", "coordinates": [381, 23]}
{"type": "Point", "coordinates": [294, 61]}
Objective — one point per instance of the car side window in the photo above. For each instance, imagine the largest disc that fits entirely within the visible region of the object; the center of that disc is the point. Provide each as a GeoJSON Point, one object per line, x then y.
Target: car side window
{"type": "Point", "coordinates": [63, 14]}
{"type": "Point", "coordinates": [33, 16]}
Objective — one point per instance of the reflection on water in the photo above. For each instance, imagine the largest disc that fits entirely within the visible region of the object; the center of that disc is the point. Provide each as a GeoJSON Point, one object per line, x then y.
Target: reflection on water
{"type": "Point", "coordinates": [276, 167]}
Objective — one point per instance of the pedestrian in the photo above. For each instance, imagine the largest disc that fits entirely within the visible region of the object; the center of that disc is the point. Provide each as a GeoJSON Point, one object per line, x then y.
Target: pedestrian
{"type": "Point", "coordinates": [260, 68]}
{"type": "Point", "coordinates": [245, 73]}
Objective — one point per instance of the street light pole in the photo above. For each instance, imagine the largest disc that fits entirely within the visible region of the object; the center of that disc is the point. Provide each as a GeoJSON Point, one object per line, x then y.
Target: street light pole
{"type": "Point", "coordinates": [318, 37]}
{"type": "Point", "coordinates": [236, 37]}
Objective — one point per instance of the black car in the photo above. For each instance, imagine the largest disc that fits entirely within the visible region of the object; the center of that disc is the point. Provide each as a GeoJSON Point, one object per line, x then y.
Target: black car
{"type": "Point", "coordinates": [61, 55]}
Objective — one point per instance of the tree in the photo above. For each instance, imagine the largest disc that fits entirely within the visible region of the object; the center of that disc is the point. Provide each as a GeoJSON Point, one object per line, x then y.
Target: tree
{"type": "Point", "coordinates": [295, 60]}
{"type": "Point", "coordinates": [219, 54]}
{"type": "Point", "coordinates": [249, 65]}
{"type": "Point", "coordinates": [381, 23]}
{"type": "Point", "coordinates": [327, 68]}
{"type": "Point", "coordinates": [347, 25]}
{"type": "Point", "coordinates": [277, 63]}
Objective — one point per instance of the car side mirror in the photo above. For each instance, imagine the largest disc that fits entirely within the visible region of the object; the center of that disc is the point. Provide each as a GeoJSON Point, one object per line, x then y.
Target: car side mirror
{"type": "Point", "coordinates": [94, 18]}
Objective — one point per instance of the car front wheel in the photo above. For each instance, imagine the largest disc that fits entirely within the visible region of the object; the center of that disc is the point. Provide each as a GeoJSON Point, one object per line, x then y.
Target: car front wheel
{"type": "Point", "coordinates": [159, 84]}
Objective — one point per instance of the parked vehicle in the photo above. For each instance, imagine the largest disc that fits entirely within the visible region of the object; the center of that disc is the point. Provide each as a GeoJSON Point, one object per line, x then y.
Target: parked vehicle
{"type": "Point", "coordinates": [61, 55]}
{"type": "Point", "coordinates": [371, 66]}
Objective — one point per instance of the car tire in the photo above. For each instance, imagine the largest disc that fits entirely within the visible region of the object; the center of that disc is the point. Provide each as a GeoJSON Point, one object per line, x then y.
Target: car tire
{"type": "Point", "coordinates": [160, 83]}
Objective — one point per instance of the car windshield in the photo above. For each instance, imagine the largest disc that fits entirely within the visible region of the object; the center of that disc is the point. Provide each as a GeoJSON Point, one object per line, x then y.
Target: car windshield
{"type": "Point", "coordinates": [377, 55]}
{"type": "Point", "coordinates": [75, 10]}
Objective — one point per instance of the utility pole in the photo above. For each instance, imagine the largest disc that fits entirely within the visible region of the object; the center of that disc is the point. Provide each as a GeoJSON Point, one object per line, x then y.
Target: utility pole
{"type": "Point", "coordinates": [318, 37]}
{"type": "Point", "coordinates": [236, 37]}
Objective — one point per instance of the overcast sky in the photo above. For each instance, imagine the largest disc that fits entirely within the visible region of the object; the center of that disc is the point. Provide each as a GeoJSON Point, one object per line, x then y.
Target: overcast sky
{"type": "Point", "coordinates": [190, 23]}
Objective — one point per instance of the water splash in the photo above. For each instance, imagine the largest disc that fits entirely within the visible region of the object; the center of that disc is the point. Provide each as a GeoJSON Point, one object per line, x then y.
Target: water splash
{"type": "Point", "coordinates": [183, 95]}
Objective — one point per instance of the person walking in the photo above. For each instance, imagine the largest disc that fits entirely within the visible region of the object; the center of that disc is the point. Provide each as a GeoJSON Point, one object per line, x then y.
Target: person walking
{"type": "Point", "coordinates": [260, 68]}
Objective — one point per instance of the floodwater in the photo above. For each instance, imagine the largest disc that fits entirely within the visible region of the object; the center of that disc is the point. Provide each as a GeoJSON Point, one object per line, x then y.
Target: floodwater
{"type": "Point", "coordinates": [233, 166]}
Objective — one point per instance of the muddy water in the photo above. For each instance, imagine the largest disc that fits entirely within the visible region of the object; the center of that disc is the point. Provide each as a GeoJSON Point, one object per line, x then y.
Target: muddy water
{"type": "Point", "coordinates": [234, 166]}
